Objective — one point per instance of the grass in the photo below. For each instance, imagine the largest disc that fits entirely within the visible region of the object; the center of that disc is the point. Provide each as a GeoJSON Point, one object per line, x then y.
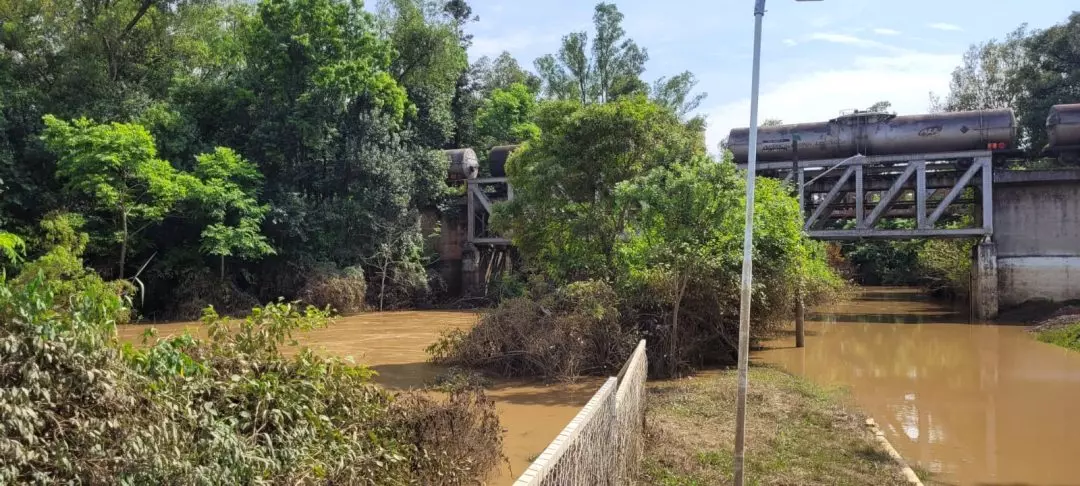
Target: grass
{"type": "Point", "coordinates": [797, 433]}
{"type": "Point", "coordinates": [1067, 336]}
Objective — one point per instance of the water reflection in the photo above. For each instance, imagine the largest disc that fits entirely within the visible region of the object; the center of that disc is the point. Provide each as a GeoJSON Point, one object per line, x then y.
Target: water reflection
{"type": "Point", "coordinates": [980, 404]}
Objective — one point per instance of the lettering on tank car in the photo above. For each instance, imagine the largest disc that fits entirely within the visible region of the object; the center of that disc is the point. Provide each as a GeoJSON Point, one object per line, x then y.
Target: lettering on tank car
{"type": "Point", "coordinates": [930, 131]}
{"type": "Point", "coordinates": [775, 147]}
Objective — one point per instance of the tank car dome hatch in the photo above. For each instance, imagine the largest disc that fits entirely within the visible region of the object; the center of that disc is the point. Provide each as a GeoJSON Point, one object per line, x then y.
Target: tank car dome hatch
{"type": "Point", "coordinates": [497, 159]}
{"type": "Point", "coordinates": [464, 164]}
{"type": "Point", "coordinates": [879, 133]}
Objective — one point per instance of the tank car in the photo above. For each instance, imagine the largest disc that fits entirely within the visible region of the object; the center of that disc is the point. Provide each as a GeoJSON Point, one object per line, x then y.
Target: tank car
{"type": "Point", "coordinates": [497, 159]}
{"type": "Point", "coordinates": [1063, 132]}
{"type": "Point", "coordinates": [463, 164]}
{"type": "Point", "coordinates": [875, 133]}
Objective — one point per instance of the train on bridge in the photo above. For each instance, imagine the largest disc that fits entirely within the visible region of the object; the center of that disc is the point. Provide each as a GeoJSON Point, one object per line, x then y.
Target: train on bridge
{"type": "Point", "coordinates": [872, 133]}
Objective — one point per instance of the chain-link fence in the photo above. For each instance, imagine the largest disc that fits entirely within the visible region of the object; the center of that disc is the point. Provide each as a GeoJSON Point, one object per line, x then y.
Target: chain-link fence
{"type": "Point", "coordinates": [602, 445]}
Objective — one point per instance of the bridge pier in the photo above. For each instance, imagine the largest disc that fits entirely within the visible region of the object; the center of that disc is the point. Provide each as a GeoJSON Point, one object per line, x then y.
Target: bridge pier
{"type": "Point", "coordinates": [984, 276]}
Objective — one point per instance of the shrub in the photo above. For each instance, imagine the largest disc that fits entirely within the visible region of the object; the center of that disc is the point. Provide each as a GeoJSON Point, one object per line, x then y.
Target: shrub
{"type": "Point", "coordinates": [573, 331]}
{"type": "Point", "coordinates": [61, 265]}
{"type": "Point", "coordinates": [341, 290]}
{"type": "Point", "coordinates": [77, 407]}
{"type": "Point", "coordinates": [459, 439]}
{"type": "Point", "coordinates": [199, 288]}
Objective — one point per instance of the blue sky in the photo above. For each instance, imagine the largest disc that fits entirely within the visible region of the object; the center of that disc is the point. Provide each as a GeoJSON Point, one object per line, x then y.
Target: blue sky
{"type": "Point", "coordinates": [818, 57]}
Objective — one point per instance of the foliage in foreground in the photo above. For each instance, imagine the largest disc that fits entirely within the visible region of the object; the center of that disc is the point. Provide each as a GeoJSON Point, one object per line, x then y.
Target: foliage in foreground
{"type": "Point", "coordinates": [637, 233]}
{"type": "Point", "coordinates": [75, 406]}
{"type": "Point", "coordinates": [802, 434]}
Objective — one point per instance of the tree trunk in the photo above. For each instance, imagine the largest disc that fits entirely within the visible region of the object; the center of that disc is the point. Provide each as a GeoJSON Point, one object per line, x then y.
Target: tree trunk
{"type": "Point", "coordinates": [123, 241]}
{"type": "Point", "coordinates": [222, 275]}
{"type": "Point", "coordinates": [138, 16]}
{"type": "Point", "coordinates": [382, 282]}
{"type": "Point", "coordinates": [674, 346]}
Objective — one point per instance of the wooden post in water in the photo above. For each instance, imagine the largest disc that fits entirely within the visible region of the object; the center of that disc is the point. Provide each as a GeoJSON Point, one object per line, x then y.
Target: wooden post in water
{"type": "Point", "coordinates": [800, 326]}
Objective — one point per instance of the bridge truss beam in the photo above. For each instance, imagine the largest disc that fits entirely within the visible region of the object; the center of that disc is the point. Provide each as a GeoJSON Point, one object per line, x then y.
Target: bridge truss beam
{"type": "Point", "coordinates": [923, 186]}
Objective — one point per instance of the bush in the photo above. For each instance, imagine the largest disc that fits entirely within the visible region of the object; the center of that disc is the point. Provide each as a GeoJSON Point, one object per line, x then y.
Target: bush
{"type": "Point", "coordinates": [61, 265]}
{"type": "Point", "coordinates": [573, 331]}
{"type": "Point", "coordinates": [342, 290]}
{"type": "Point", "coordinates": [199, 288]}
{"type": "Point", "coordinates": [459, 440]}
{"type": "Point", "coordinates": [75, 406]}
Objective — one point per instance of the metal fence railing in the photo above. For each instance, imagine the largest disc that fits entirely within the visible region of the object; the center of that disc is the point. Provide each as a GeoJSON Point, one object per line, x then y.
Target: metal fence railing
{"type": "Point", "coordinates": [603, 444]}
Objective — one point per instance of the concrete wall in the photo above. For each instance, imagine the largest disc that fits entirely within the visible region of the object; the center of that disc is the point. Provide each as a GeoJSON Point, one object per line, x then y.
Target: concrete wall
{"type": "Point", "coordinates": [1037, 232]}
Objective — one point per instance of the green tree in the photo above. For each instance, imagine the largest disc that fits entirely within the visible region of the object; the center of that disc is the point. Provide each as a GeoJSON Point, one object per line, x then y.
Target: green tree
{"type": "Point", "coordinates": [116, 166]}
{"type": "Point", "coordinates": [564, 215]}
{"type": "Point", "coordinates": [1048, 75]}
{"type": "Point", "coordinates": [102, 60]}
{"type": "Point", "coordinates": [429, 60]}
{"type": "Point", "coordinates": [227, 188]}
{"type": "Point", "coordinates": [507, 117]}
{"type": "Point", "coordinates": [675, 93]}
{"type": "Point", "coordinates": [985, 80]}
{"type": "Point", "coordinates": [684, 221]}
{"type": "Point", "coordinates": [503, 72]}
{"type": "Point", "coordinates": [613, 70]}
{"type": "Point", "coordinates": [314, 65]}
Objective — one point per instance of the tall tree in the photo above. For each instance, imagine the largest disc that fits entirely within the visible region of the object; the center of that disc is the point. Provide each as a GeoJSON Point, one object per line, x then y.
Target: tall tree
{"type": "Point", "coordinates": [613, 69]}
{"type": "Point", "coordinates": [675, 93]}
{"type": "Point", "coordinates": [563, 216]}
{"type": "Point", "coordinates": [430, 59]}
{"type": "Point", "coordinates": [466, 101]}
{"type": "Point", "coordinates": [985, 80]}
{"type": "Point", "coordinates": [116, 166]}
{"type": "Point", "coordinates": [507, 117]}
{"type": "Point", "coordinates": [1048, 75]}
{"type": "Point", "coordinates": [504, 71]}
{"type": "Point", "coordinates": [226, 187]}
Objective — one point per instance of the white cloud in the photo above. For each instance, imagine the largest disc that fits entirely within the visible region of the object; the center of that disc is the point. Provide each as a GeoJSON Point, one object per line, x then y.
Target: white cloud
{"type": "Point", "coordinates": [790, 42]}
{"type": "Point", "coordinates": [852, 41]}
{"type": "Point", "coordinates": [903, 79]}
{"type": "Point", "coordinates": [884, 31]}
{"type": "Point", "coordinates": [839, 38]}
{"type": "Point", "coordinates": [944, 26]}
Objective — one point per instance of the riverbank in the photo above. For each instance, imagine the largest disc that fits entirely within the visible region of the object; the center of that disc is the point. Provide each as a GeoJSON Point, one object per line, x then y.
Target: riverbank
{"type": "Point", "coordinates": [797, 433]}
{"type": "Point", "coordinates": [392, 343]}
{"type": "Point", "coordinates": [1056, 323]}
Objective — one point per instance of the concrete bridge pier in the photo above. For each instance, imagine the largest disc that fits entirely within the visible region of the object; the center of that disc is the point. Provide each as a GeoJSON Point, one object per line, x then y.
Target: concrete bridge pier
{"type": "Point", "coordinates": [984, 288]}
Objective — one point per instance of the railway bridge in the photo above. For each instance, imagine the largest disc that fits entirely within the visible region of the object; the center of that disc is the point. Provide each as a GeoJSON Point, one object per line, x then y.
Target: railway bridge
{"type": "Point", "coordinates": [951, 175]}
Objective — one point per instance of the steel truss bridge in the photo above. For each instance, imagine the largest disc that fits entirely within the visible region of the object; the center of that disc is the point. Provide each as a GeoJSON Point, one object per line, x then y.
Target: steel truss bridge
{"type": "Point", "coordinates": [869, 189]}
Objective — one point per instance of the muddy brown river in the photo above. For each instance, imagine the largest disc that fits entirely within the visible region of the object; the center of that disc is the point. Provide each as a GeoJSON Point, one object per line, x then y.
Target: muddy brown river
{"type": "Point", "coordinates": [973, 403]}
{"type": "Point", "coordinates": [393, 344]}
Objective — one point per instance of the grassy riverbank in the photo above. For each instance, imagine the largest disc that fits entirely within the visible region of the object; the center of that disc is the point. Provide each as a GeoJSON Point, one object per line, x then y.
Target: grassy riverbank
{"type": "Point", "coordinates": [1066, 336]}
{"type": "Point", "coordinates": [797, 433]}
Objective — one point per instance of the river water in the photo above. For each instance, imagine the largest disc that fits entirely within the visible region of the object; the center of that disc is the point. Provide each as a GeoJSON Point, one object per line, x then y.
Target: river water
{"type": "Point", "coordinates": [393, 343]}
{"type": "Point", "coordinates": [971, 402]}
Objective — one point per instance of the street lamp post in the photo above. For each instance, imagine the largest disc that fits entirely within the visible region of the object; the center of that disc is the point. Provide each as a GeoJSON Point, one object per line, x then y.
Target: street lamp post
{"type": "Point", "coordinates": [748, 250]}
